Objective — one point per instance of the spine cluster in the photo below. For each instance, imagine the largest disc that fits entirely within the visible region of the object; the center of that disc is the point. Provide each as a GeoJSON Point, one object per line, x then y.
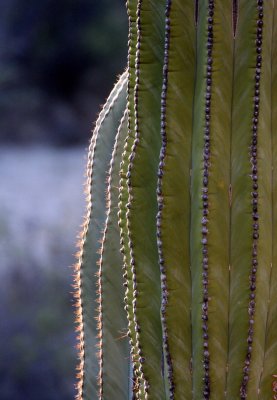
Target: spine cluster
{"type": "Point", "coordinates": [254, 199]}
{"type": "Point", "coordinates": [161, 203]}
{"type": "Point", "coordinates": [205, 201]}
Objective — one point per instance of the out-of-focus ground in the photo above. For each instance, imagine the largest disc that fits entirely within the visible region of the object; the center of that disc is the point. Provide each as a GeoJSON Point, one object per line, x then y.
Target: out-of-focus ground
{"type": "Point", "coordinates": [58, 62]}
{"type": "Point", "coordinates": [42, 205]}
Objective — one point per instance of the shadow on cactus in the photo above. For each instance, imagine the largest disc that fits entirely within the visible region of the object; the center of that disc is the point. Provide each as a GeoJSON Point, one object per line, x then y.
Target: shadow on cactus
{"type": "Point", "coordinates": [176, 281]}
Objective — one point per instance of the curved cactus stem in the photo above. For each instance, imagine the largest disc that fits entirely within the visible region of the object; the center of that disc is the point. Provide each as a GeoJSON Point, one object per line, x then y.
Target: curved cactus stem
{"type": "Point", "coordinates": [173, 219]}
{"type": "Point", "coordinates": [142, 207]}
{"type": "Point", "coordinates": [210, 222]}
{"type": "Point", "coordinates": [86, 268]}
{"type": "Point", "coordinates": [270, 358]}
{"type": "Point", "coordinates": [114, 350]}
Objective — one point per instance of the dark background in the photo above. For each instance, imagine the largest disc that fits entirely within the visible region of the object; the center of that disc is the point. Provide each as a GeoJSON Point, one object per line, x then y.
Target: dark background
{"type": "Point", "coordinates": [58, 62]}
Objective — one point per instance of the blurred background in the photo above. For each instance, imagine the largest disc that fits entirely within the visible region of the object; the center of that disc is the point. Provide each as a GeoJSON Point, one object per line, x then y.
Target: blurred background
{"type": "Point", "coordinates": [58, 62]}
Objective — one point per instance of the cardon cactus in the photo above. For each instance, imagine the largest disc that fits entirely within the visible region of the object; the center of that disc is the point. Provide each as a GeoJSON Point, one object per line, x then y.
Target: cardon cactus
{"type": "Point", "coordinates": [176, 282]}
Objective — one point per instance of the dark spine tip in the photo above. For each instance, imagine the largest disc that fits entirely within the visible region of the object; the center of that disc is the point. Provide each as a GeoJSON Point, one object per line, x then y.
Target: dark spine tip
{"type": "Point", "coordinates": [235, 16]}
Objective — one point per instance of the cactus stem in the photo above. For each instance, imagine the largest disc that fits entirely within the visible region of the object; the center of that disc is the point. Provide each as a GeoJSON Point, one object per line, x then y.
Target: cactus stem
{"type": "Point", "coordinates": [161, 204]}
{"type": "Point", "coordinates": [254, 202]}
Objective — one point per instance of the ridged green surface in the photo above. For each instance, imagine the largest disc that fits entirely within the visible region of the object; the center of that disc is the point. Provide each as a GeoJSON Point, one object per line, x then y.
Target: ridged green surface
{"type": "Point", "coordinates": [123, 197]}
{"type": "Point", "coordinates": [98, 163]}
{"type": "Point", "coordinates": [270, 356]}
{"type": "Point", "coordinates": [241, 234]}
{"type": "Point", "coordinates": [219, 201]}
{"type": "Point", "coordinates": [175, 195]}
{"type": "Point", "coordinates": [200, 294]}
{"type": "Point", "coordinates": [196, 186]}
{"type": "Point", "coordinates": [218, 198]}
{"type": "Point", "coordinates": [142, 192]}
{"type": "Point", "coordinates": [114, 350]}
{"type": "Point", "coordinates": [265, 209]}
{"type": "Point", "coordinates": [196, 209]}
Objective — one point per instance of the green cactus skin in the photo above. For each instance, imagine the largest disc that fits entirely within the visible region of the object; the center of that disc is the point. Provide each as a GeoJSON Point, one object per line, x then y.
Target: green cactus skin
{"type": "Point", "coordinates": [270, 348]}
{"type": "Point", "coordinates": [210, 201]}
{"type": "Point", "coordinates": [173, 219]}
{"type": "Point", "coordinates": [182, 234]}
{"type": "Point", "coordinates": [142, 190]}
{"type": "Point", "coordinates": [114, 349]}
{"type": "Point", "coordinates": [99, 154]}
{"type": "Point", "coordinates": [248, 307]}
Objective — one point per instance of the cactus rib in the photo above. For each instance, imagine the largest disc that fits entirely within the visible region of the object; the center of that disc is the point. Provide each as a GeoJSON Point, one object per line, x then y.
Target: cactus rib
{"type": "Point", "coordinates": [86, 266]}
{"type": "Point", "coordinates": [255, 197]}
{"type": "Point", "coordinates": [143, 384]}
{"type": "Point", "coordinates": [164, 285]}
{"type": "Point", "coordinates": [270, 356]}
{"type": "Point", "coordinates": [142, 188]}
{"type": "Point", "coordinates": [242, 236]}
{"type": "Point", "coordinates": [123, 197]}
{"type": "Point", "coordinates": [205, 199]}
{"type": "Point", "coordinates": [113, 345]}
{"type": "Point", "coordinates": [173, 222]}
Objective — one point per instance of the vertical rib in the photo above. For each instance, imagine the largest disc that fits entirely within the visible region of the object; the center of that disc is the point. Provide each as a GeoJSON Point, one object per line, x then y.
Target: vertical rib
{"type": "Point", "coordinates": [173, 194]}
{"type": "Point", "coordinates": [114, 350]}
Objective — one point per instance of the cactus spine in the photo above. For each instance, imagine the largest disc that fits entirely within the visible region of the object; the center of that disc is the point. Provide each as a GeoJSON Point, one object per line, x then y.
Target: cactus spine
{"type": "Point", "coordinates": [178, 246]}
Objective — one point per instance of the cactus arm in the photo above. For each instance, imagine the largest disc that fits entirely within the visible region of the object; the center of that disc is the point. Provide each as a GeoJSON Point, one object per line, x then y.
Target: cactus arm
{"type": "Point", "coordinates": [114, 348]}
{"type": "Point", "coordinates": [123, 197]}
{"type": "Point", "coordinates": [142, 181]}
{"type": "Point", "coordinates": [174, 195]}
{"type": "Point", "coordinates": [86, 268]}
{"type": "Point", "coordinates": [270, 359]}
{"type": "Point", "coordinates": [250, 242]}
{"type": "Point", "coordinates": [210, 201]}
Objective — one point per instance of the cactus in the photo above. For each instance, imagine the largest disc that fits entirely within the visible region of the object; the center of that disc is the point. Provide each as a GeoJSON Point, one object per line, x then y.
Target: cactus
{"type": "Point", "coordinates": [176, 279]}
